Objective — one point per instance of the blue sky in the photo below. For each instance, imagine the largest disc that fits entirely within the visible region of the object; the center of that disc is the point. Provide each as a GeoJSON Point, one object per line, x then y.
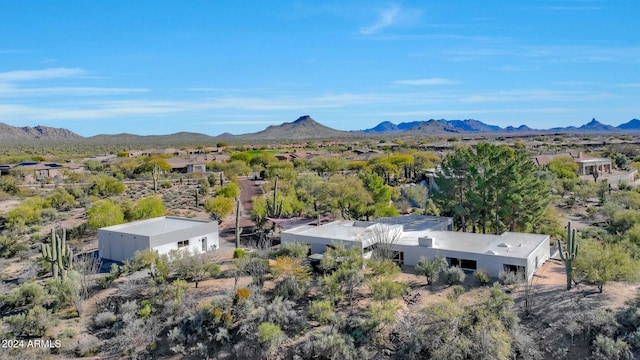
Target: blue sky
{"type": "Point", "coordinates": [158, 67]}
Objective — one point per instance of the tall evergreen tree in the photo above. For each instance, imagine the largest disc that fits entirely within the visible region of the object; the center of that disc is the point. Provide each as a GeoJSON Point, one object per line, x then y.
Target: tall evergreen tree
{"type": "Point", "coordinates": [491, 186]}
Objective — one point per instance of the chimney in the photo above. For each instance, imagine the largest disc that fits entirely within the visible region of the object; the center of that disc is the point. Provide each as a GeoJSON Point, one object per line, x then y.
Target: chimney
{"type": "Point", "coordinates": [579, 154]}
{"type": "Point", "coordinates": [427, 241]}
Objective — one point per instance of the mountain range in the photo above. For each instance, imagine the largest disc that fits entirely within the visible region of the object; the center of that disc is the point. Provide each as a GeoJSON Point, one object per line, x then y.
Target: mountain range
{"type": "Point", "coordinates": [305, 128]}
{"type": "Point", "coordinates": [476, 126]}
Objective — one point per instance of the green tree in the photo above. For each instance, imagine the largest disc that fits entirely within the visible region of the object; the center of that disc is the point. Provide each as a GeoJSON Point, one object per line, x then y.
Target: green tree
{"type": "Point", "coordinates": [348, 195]}
{"type": "Point", "coordinates": [219, 207]}
{"type": "Point", "coordinates": [231, 190]}
{"type": "Point", "coordinates": [104, 185]}
{"type": "Point", "coordinates": [60, 199]}
{"type": "Point", "coordinates": [103, 213]}
{"type": "Point", "coordinates": [147, 208]}
{"type": "Point", "coordinates": [601, 263]}
{"type": "Point", "coordinates": [564, 167]}
{"type": "Point", "coordinates": [491, 184]}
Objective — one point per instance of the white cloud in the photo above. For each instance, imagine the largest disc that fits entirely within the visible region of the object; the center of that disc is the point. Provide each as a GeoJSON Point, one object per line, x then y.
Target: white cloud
{"type": "Point", "coordinates": [29, 75]}
{"type": "Point", "coordinates": [12, 92]}
{"type": "Point", "coordinates": [390, 16]}
{"type": "Point", "coordinates": [429, 81]}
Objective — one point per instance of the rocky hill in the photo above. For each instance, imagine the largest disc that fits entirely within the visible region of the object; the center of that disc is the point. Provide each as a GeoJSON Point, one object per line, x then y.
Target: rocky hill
{"type": "Point", "coordinates": [13, 133]}
{"type": "Point", "coordinates": [301, 129]}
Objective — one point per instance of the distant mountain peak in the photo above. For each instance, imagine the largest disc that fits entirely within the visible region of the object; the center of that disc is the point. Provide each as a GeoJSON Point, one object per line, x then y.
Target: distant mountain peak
{"type": "Point", "coordinates": [303, 118]}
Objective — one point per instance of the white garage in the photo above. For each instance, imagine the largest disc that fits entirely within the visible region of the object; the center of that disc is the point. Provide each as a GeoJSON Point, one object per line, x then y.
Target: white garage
{"type": "Point", "coordinates": [162, 234]}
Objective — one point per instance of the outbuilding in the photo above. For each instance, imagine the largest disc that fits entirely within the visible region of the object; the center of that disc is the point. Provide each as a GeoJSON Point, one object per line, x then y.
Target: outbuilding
{"type": "Point", "coordinates": [162, 234]}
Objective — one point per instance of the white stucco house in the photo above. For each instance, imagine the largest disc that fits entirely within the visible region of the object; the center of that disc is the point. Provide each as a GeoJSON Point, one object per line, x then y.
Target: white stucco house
{"type": "Point", "coordinates": [429, 236]}
{"type": "Point", "coordinates": [162, 234]}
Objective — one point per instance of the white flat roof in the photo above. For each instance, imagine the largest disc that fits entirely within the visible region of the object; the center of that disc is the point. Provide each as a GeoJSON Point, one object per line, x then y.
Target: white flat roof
{"type": "Point", "coordinates": [509, 244]}
{"type": "Point", "coordinates": [155, 226]}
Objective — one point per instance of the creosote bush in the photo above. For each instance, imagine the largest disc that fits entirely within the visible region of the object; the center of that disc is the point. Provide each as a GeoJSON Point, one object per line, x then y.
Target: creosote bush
{"type": "Point", "coordinates": [453, 275]}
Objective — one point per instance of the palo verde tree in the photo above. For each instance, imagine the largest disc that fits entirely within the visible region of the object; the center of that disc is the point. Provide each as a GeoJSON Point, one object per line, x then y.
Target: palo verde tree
{"type": "Point", "coordinates": [491, 187]}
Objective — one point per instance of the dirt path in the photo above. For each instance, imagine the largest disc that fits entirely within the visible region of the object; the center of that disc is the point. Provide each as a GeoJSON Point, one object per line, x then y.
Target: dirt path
{"type": "Point", "coordinates": [248, 189]}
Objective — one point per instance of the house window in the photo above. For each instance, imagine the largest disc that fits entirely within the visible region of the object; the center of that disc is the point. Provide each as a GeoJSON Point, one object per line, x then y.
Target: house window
{"type": "Point", "coordinates": [183, 243]}
{"type": "Point", "coordinates": [204, 244]}
{"type": "Point", "coordinates": [463, 263]}
{"type": "Point", "coordinates": [514, 268]}
{"type": "Point", "coordinates": [398, 258]}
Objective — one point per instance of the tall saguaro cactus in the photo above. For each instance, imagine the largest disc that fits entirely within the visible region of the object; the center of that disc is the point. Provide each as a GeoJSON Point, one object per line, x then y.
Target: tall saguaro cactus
{"type": "Point", "coordinates": [58, 253]}
{"type": "Point", "coordinates": [274, 210]}
{"type": "Point", "coordinates": [238, 230]}
{"type": "Point", "coordinates": [569, 254]}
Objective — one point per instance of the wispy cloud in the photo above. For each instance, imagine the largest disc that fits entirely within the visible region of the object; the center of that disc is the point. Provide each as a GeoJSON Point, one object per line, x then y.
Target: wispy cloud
{"type": "Point", "coordinates": [429, 81]}
{"type": "Point", "coordinates": [14, 92]}
{"type": "Point", "coordinates": [390, 16]}
{"type": "Point", "coordinates": [534, 95]}
{"type": "Point", "coordinates": [30, 75]}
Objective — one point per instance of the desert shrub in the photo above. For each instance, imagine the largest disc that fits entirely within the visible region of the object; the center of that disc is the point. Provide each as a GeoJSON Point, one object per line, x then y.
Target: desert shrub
{"type": "Point", "coordinates": [387, 289]}
{"type": "Point", "coordinates": [11, 246]}
{"type": "Point", "coordinates": [61, 200]}
{"type": "Point", "coordinates": [49, 214]}
{"type": "Point", "coordinates": [322, 311]}
{"type": "Point", "coordinates": [280, 312]}
{"type": "Point", "coordinates": [62, 292]}
{"type": "Point", "coordinates": [270, 336]}
{"type": "Point", "coordinates": [33, 323]}
{"type": "Point", "coordinates": [453, 275]}
{"type": "Point", "coordinates": [430, 268]}
{"type": "Point", "coordinates": [606, 348]}
{"type": "Point", "coordinates": [242, 294]}
{"type": "Point", "coordinates": [633, 339]}
{"type": "Point", "coordinates": [295, 250]}
{"type": "Point", "coordinates": [88, 347]}
{"type": "Point", "coordinates": [104, 319]}
{"type": "Point", "coordinates": [28, 294]}
{"type": "Point", "coordinates": [105, 185]}
{"type": "Point", "coordinates": [329, 346]}
{"type": "Point", "coordinates": [511, 278]}
{"type": "Point", "coordinates": [482, 277]}
{"type": "Point", "coordinates": [290, 288]}
{"type": "Point", "coordinates": [107, 280]}
{"type": "Point", "coordinates": [69, 333]}
{"type": "Point", "coordinates": [239, 253]}
{"type": "Point", "coordinates": [27, 213]}
{"type": "Point", "coordinates": [9, 184]}
{"type": "Point", "coordinates": [456, 291]}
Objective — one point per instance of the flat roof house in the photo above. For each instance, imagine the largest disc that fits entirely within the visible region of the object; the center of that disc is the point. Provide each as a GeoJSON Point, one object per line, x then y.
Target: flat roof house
{"type": "Point", "coordinates": [162, 234]}
{"type": "Point", "coordinates": [429, 236]}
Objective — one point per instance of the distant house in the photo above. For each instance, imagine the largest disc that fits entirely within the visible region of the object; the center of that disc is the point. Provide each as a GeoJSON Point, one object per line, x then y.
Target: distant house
{"type": "Point", "coordinates": [44, 170]}
{"type": "Point", "coordinates": [186, 166]}
{"type": "Point", "coordinates": [430, 236]}
{"type": "Point", "coordinates": [161, 234]}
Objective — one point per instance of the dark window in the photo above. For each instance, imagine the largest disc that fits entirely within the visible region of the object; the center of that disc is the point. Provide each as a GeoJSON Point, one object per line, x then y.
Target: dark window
{"type": "Point", "coordinates": [463, 263]}
{"type": "Point", "coordinates": [513, 268]}
{"type": "Point", "coordinates": [204, 244]}
{"type": "Point", "coordinates": [183, 243]}
{"type": "Point", "coordinates": [398, 258]}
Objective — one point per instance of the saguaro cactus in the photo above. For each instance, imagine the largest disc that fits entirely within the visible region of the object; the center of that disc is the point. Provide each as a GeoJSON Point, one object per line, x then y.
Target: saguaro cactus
{"type": "Point", "coordinates": [58, 253]}
{"type": "Point", "coordinates": [274, 210]}
{"type": "Point", "coordinates": [238, 230]}
{"type": "Point", "coordinates": [569, 254]}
